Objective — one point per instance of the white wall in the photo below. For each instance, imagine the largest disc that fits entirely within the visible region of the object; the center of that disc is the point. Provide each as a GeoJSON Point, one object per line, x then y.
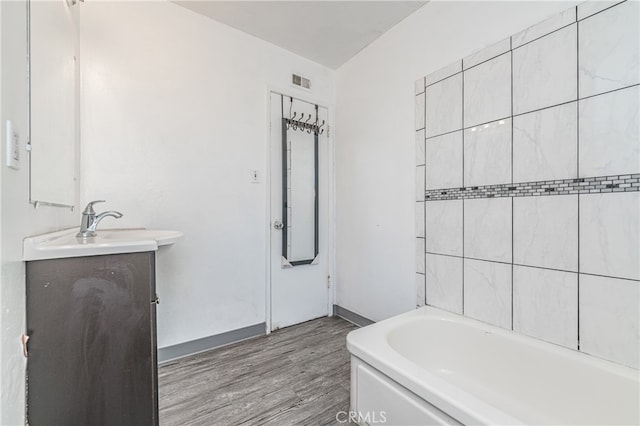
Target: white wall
{"type": "Point", "coordinates": [18, 218]}
{"type": "Point", "coordinates": [375, 142]}
{"type": "Point", "coordinates": [174, 117]}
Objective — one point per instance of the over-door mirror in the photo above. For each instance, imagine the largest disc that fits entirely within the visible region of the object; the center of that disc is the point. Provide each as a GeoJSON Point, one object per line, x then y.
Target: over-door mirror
{"type": "Point", "coordinates": [300, 207]}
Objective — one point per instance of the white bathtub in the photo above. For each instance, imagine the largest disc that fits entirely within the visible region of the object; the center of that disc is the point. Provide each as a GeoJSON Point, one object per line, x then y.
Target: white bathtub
{"type": "Point", "coordinates": [432, 367]}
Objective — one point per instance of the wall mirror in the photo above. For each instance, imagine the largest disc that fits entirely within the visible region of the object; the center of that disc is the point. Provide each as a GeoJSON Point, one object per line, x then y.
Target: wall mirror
{"type": "Point", "coordinates": [300, 131]}
{"type": "Point", "coordinates": [53, 101]}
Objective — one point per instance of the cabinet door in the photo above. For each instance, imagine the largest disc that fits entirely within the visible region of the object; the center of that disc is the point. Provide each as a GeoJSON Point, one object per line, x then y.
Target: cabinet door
{"type": "Point", "coordinates": [92, 347]}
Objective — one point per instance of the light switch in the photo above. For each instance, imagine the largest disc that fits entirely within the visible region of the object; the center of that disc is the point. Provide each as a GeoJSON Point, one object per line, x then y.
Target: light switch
{"type": "Point", "coordinates": [254, 176]}
{"type": "Point", "coordinates": [12, 147]}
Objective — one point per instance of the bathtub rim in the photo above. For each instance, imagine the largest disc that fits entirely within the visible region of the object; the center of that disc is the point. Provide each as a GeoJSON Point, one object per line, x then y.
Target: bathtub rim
{"type": "Point", "coordinates": [370, 344]}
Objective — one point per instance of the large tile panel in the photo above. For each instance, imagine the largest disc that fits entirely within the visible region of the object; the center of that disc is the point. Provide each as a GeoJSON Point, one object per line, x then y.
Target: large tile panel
{"type": "Point", "coordinates": [487, 53]}
{"type": "Point", "coordinates": [420, 255]}
{"type": "Point", "coordinates": [545, 144]}
{"type": "Point", "coordinates": [487, 91]}
{"type": "Point", "coordinates": [420, 111]}
{"type": "Point", "coordinates": [487, 292]}
{"type": "Point", "coordinates": [545, 231]}
{"type": "Point", "coordinates": [544, 71]}
{"type": "Point", "coordinates": [487, 154]}
{"type": "Point", "coordinates": [610, 234]}
{"type": "Point", "coordinates": [444, 159]}
{"type": "Point", "coordinates": [444, 106]}
{"type": "Point", "coordinates": [545, 27]}
{"type": "Point", "coordinates": [420, 219]}
{"type": "Point", "coordinates": [609, 133]}
{"type": "Point", "coordinates": [420, 174]}
{"type": "Point", "coordinates": [487, 229]}
{"type": "Point", "coordinates": [420, 289]}
{"type": "Point", "coordinates": [545, 305]}
{"type": "Point", "coordinates": [609, 49]}
{"type": "Point", "coordinates": [420, 155]}
{"type": "Point", "coordinates": [609, 312]}
{"type": "Point", "coordinates": [444, 224]}
{"type": "Point", "coordinates": [444, 282]}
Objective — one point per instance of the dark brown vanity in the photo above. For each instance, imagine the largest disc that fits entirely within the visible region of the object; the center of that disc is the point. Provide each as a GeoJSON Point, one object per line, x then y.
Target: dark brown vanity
{"type": "Point", "coordinates": [91, 323]}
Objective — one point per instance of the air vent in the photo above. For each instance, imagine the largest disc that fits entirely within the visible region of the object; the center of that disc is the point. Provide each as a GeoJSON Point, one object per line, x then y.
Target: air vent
{"type": "Point", "coordinates": [300, 81]}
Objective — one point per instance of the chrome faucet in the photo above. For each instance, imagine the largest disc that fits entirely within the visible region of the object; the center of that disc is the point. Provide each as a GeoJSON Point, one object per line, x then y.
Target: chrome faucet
{"type": "Point", "coordinates": [90, 220]}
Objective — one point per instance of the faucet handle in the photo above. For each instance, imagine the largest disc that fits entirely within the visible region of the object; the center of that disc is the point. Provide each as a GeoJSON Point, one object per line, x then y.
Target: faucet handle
{"type": "Point", "coordinates": [89, 208]}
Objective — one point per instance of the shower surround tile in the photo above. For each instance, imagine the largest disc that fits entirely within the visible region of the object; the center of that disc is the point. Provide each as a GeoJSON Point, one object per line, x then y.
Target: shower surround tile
{"type": "Point", "coordinates": [420, 290]}
{"type": "Point", "coordinates": [609, 133]}
{"type": "Point", "coordinates": [420, 219]}
{"type": "Point", "coordinates": [545, 232]}
{"type": "Point", "coordinates": [487, 91]}
{"type": "Point", "coordinates": [444, 154]}
{"type": "Point", "coordinates": [419, 86]}
{"type": "Point", "coordinates": [420, 171]}
{"type": "Point", "coordinates": [487, 229]}
{"type": "Point", "coordinates": [545, 144]}
{"type": "Point", "coordinates": [420, 111]}
{"type": "Point", "coordinates": [544, 71]}
{"type": "Point", "coordinates": [545, 27]}
{"type": "Point", "coordinates": [609, 312]}
{"type": "Point", "coordinates": [487, 292]}
{"type": "Point", "coordinates": [444, 106]}
{"type": "Point", "coordinates": [545, 305]}
{"type": "Point", "coordinates": [538, 229]}
{"type": "Point", "coordinates": [444, 221]}
{"type": "Point", "coordinates": [420, 255]}
{"type": "Point", "coordinates": [443, 73]}
{"type": "Point", "coordinates": [444, 282]}
{"type": "Point", "coordinates": [420, 158]}
{"type": "Point", "coordinates": [487, 154]}
{"type": "Point", "coordinates": [609, 50]}
{"type": "Point", "coordinates": [487, 53]}
{"type": "Point", "coordinates": [610, 234]}
{"type": "Point", "coordinates": [589, 8]}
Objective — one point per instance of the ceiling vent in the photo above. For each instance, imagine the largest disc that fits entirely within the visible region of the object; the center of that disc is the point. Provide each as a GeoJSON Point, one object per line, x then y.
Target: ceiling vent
{"type": "Point", "coordinates": [300, 81]}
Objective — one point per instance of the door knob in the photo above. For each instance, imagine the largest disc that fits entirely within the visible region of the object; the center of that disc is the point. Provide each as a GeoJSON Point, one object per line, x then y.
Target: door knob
{"type": "Point", "coordinates": [278, 225]}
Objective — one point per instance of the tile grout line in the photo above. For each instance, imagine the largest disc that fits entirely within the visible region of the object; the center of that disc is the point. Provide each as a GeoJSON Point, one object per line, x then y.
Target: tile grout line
{"type": "Point", "coordinates": [578, 175]}
{"type": "Point", "coordinates": [512, 198]}
{"type": "Point", "coordinates": [424, 178]}
{"type": "Point", "coordinates": [442, 79]}
{"type": "Point", "coordinates": [512, 260]}
{"type": "Point", "coordinates": [534, 266]}
{"type": "Point", "coordinates": [598, 12]}
{"type": "Point", "coordinates": [462, 171]}
{"type": "Point", "coordinates": [486, 60]}
{"type": "Point", "coordinates": [544, 35]}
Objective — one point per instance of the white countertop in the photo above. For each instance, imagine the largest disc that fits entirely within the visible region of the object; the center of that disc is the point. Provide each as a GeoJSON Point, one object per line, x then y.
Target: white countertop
{"type": "Point", "coordinates": [62, 244]}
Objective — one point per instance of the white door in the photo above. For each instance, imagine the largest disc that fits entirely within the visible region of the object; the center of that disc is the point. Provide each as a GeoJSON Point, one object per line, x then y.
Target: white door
{"type": "Point", "coordinates": [299, 243]}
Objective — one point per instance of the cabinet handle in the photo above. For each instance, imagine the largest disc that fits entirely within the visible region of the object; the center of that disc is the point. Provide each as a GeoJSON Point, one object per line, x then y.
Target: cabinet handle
{"type": "Point", "coordinates": [24, 339]}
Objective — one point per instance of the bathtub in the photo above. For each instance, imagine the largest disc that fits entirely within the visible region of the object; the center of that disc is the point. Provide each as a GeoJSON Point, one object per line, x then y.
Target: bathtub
{"type": "Point", "coordinates": [432, 367]}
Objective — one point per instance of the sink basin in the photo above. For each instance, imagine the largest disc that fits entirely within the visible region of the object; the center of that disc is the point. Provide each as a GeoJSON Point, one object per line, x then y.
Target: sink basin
{"type": "Point", "coordinates": [62, 244]}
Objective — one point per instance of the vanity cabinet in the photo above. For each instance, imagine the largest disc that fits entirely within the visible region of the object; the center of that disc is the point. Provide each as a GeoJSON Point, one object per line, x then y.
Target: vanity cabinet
{"type": "Point", "coordinates": [92, 346]}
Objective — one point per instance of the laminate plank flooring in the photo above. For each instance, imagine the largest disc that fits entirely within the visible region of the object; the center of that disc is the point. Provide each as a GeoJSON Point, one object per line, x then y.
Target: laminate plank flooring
{"type": "Point", "coordinates": [298, 375]}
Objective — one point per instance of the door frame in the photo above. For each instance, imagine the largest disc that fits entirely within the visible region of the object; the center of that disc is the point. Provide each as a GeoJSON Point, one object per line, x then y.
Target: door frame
{"type": "Point", "coordinates": [304, 97]}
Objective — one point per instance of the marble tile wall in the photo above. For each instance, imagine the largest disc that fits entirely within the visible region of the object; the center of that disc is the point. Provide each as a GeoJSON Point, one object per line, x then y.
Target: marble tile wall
{"type": "Point", "coordinates": [528, 180]}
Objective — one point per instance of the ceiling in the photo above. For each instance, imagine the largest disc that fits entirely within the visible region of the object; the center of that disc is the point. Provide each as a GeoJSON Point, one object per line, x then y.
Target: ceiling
{"type": "Point", "coordinates": [326, 32]}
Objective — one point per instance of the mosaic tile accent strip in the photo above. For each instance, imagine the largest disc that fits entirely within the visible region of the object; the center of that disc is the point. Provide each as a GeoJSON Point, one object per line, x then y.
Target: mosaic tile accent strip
{"type": "Point", "coordinates": [590, 185]}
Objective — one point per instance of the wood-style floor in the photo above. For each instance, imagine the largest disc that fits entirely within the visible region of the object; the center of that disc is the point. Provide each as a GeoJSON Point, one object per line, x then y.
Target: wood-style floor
{"type": "Point", "coordinates": [295, 376]}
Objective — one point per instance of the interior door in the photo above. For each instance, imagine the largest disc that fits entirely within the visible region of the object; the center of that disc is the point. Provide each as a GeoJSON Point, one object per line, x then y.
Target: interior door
{"type": "Point", "coordinates": [299, 211]}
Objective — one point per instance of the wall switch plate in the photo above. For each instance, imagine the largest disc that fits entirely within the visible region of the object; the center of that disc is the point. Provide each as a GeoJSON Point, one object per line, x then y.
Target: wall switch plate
{"type": "Point", "coordinates": [254, 176]}
{"type": "Point", "coordinates": [12, 147]}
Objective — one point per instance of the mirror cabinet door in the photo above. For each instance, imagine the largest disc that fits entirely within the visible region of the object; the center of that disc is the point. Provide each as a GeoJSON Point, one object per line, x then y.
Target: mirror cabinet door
{"type": "Point", "coordinates": [53, 96]}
